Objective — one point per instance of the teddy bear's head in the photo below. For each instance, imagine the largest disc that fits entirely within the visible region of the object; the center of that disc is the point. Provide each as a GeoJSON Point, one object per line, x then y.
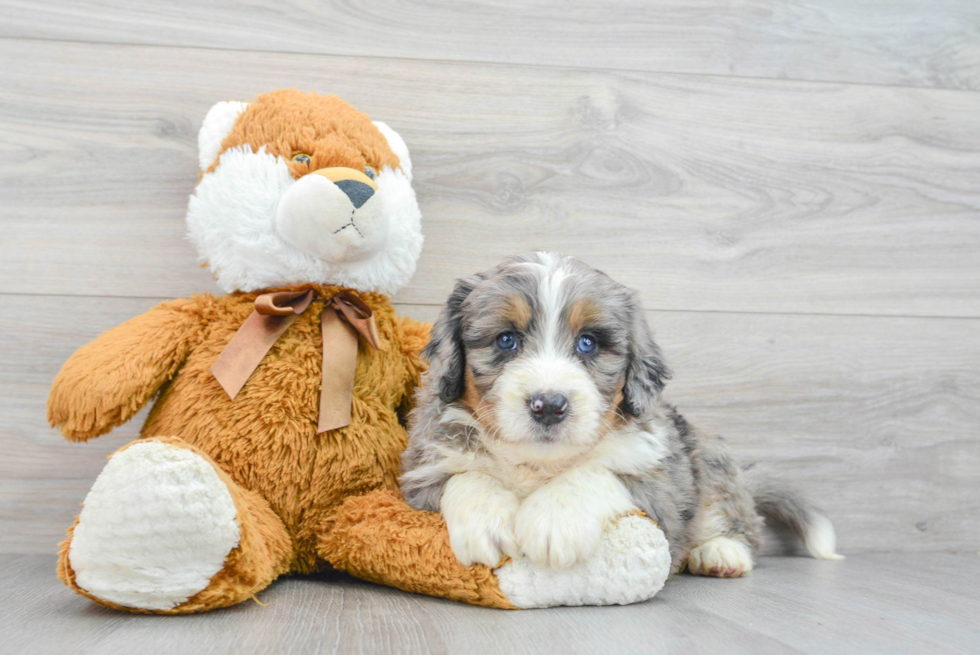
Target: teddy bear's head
{"type": "Point", "coordinates": [300, 188]}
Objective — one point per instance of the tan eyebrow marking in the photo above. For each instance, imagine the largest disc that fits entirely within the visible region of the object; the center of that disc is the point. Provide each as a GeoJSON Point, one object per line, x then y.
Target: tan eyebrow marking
{"type": "Point", "coordinates": [517, 310]}
{"type": "Point", "coordinates": [582, 313]}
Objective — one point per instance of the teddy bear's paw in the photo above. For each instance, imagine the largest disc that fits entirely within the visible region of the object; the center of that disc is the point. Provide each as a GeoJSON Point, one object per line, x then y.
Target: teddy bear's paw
{"type": "Point", "coordinates": [155, 528]}
{"type": "Point", "coordinates": [630, 564]}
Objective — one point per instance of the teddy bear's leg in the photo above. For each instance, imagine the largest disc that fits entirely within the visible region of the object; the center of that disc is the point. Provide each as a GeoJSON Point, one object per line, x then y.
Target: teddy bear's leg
{"type": "Point", "coordinates": [631, 565]}
{"type": "Point", "coordinates": [165, 530]}
{"type": "Point", "coordinates": [380, 538]}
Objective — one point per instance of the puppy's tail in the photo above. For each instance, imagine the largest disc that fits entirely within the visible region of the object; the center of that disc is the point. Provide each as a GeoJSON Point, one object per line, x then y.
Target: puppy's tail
{"type": "Point", "coordinates": [780, 503]}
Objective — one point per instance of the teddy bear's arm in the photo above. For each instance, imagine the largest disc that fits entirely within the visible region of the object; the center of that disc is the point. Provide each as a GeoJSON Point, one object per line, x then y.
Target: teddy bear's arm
{"type": "Point", "coordinates": [378, 537]}
{"type": "Point", "coordinates": [110, 379]}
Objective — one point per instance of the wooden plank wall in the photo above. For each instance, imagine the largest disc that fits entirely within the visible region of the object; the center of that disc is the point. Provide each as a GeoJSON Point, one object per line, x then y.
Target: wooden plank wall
{"type": "Point", "coordinates": [794, 188]}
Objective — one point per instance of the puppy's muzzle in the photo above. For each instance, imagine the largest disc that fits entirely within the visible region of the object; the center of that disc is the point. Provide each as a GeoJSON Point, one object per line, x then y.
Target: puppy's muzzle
{"type": "Point", "coordinates": [548, 408]}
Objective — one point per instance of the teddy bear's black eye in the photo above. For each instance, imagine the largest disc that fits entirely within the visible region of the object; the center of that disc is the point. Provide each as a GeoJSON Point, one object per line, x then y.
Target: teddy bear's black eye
{"type": "Point", "coordinates": [370, 172]}
{"type": "Point", "coordinates": [302, 158]}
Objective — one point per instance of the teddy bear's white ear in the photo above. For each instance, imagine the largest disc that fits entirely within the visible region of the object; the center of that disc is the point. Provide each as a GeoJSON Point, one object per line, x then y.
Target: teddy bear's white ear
{"type": "Point", "coordinates": [397, 145]}
{"type": "Point", "coordinates": [217, 124]}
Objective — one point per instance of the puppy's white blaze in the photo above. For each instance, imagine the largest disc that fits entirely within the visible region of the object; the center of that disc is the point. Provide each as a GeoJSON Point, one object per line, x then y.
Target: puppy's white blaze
{"type": "Point", "coordinates": [561, 523]}
{"type": "Point", "coordinates": [821, 540]}
{"type": "Point", "coordinates": [552, 298]}
{"type": "Point", "coordinates": [479, 516]}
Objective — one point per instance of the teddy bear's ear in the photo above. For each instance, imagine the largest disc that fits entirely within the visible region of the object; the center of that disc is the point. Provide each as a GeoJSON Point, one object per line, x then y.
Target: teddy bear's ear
{"type": "Point", "coordinates": [217, 124]}
{"type": "Point", "coordinates": [397, 145]}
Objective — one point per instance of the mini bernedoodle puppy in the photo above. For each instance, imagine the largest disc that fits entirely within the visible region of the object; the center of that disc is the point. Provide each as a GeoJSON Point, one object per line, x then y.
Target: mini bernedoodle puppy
{"type": "Point", "coordinates": [540, 421]}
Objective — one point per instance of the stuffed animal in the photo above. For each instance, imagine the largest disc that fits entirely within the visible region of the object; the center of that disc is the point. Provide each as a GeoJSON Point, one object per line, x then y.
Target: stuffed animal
{"type": "Point", "coordinates": [273, 443]}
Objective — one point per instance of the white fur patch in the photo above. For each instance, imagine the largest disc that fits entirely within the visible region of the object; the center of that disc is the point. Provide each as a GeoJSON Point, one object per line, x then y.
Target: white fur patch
{"type": "Point", "coordinates": [216, 126]}
{"type": "Point", "coordinates": [315, 216]}
{"type": "Point", "coordinates": [821, 540]}
{"type": "Point", "coordinates": [630, 564]}
{"type": "Point", "coordinates": [561, 523]}
{"type": "Point", "coordinates": [479, 515]}
{"type": "Point", "coordinates": [155, 528]}
{"type": "Point", "coordinates": [231, 222]}
{"type": "Point", "coordinates": [525, 467]}
{"type": "Point", "coordinates": [721, 557]}
{"type": "Point", "coordinates": [397, 145]}
{"type": "Point", "coordinates": [547, 372]}
{"type": "Point", "coordinates": [632, 450]}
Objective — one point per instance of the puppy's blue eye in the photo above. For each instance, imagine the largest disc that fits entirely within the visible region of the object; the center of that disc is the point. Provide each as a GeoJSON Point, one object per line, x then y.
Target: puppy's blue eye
{"type": "Point", "coordinates": [586, 344]}
{"type": "Point", "coordinates": [507, 341]}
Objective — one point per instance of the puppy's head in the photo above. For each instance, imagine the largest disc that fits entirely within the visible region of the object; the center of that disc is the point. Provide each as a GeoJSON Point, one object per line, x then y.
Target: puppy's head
{"type": "Point", "coordinates": [547, 353]}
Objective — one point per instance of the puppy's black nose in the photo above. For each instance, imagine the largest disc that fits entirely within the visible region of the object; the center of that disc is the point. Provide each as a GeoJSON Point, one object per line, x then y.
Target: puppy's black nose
{"type": "Point", "coordinates": [548, 408]}
{"type": "Point", "coordinates": [358, 192]}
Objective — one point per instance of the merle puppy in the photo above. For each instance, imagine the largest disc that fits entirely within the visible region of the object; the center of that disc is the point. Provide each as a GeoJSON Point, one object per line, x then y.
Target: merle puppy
{"type": "Point", "coordinates": [540, 421]}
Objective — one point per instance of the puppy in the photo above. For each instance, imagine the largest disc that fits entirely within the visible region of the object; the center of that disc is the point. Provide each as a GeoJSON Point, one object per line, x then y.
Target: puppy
{"type": "Point", "coordinates": [540, 422]}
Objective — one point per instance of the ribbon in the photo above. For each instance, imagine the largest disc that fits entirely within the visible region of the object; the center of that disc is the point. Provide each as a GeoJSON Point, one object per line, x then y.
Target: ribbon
{"type": "Point", "coordinates": [343, 317]}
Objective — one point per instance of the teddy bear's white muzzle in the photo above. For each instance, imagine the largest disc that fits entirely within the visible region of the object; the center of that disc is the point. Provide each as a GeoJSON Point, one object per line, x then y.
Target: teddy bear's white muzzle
{"type": "Point", "coordinates": [333, 214]}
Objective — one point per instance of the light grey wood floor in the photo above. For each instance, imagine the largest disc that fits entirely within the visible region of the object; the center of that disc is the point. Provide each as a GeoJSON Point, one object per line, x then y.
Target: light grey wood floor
{"type": "Point", "coordinates": [793, 187]}
{"type": "Point", "coordinates": [886, 603]}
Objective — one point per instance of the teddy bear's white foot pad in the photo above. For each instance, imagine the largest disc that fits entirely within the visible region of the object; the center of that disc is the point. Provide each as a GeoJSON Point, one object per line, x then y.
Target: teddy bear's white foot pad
{"type": "Point", "coordinates": [631, 565]}
{"type": "Point", "coordinates": [155, 528]}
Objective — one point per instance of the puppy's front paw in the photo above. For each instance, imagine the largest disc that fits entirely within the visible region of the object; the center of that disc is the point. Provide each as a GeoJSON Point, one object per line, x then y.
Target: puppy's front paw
{"type": "Point", "coordinates": [480, 519]}
{"type": "Point", "coordinates": [721, 557]}
{"type": "Point", "coordinates": [553, 531]}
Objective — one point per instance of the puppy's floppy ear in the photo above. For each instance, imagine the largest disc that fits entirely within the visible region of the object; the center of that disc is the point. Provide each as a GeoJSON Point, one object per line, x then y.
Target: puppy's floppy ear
{"type": "Point", "coordinates": [445, 351]}
{"type": "Point", "coordinates": [646, 370]}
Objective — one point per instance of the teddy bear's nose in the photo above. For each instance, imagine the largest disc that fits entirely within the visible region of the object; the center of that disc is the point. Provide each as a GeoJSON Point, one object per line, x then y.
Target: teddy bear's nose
{"type": "Point", "coordinates": [357, 186]}
{"type": "Point", "coordinates": [358, 192]}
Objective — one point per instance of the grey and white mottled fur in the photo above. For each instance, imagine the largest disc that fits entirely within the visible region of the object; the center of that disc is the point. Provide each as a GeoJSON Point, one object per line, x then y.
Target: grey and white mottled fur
{"type": "Point", "coordinates": [530, 444]}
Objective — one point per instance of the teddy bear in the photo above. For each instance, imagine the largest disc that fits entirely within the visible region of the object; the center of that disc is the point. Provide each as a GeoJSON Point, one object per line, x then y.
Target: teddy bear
{"type": "Point", "coordinates": [277, 422]}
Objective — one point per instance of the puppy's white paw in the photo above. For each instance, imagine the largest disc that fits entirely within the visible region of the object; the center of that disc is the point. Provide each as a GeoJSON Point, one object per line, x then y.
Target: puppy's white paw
{"type": "Point", "coordinates": [721, 557]}
{"type": "Point", "coordinates": [480, 517]}
{"type": "Point", "coordinates": [553, 530]}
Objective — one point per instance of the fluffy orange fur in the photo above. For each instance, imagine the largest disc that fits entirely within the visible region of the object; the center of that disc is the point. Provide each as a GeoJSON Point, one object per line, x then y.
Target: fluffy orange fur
{"type": "Point", "coordinates": [326, 128]}
{"type": "Point", "coordinates": [302, 498]}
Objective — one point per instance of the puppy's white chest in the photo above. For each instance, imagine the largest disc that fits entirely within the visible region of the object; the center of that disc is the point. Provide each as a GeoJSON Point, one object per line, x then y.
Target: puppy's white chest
{"type": "Point", "coordinates": [526, 478]}
{"type": "Point", "coordinates": [524, 481]}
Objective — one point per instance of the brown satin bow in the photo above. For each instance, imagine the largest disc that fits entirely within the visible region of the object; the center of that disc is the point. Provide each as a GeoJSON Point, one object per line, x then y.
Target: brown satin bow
{"type": "Point", "coordinates": [274, 313]}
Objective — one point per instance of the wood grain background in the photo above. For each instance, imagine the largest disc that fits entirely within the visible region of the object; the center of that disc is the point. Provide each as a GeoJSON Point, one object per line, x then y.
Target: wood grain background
{"type": "Point", "coordinates": [794, 188]}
